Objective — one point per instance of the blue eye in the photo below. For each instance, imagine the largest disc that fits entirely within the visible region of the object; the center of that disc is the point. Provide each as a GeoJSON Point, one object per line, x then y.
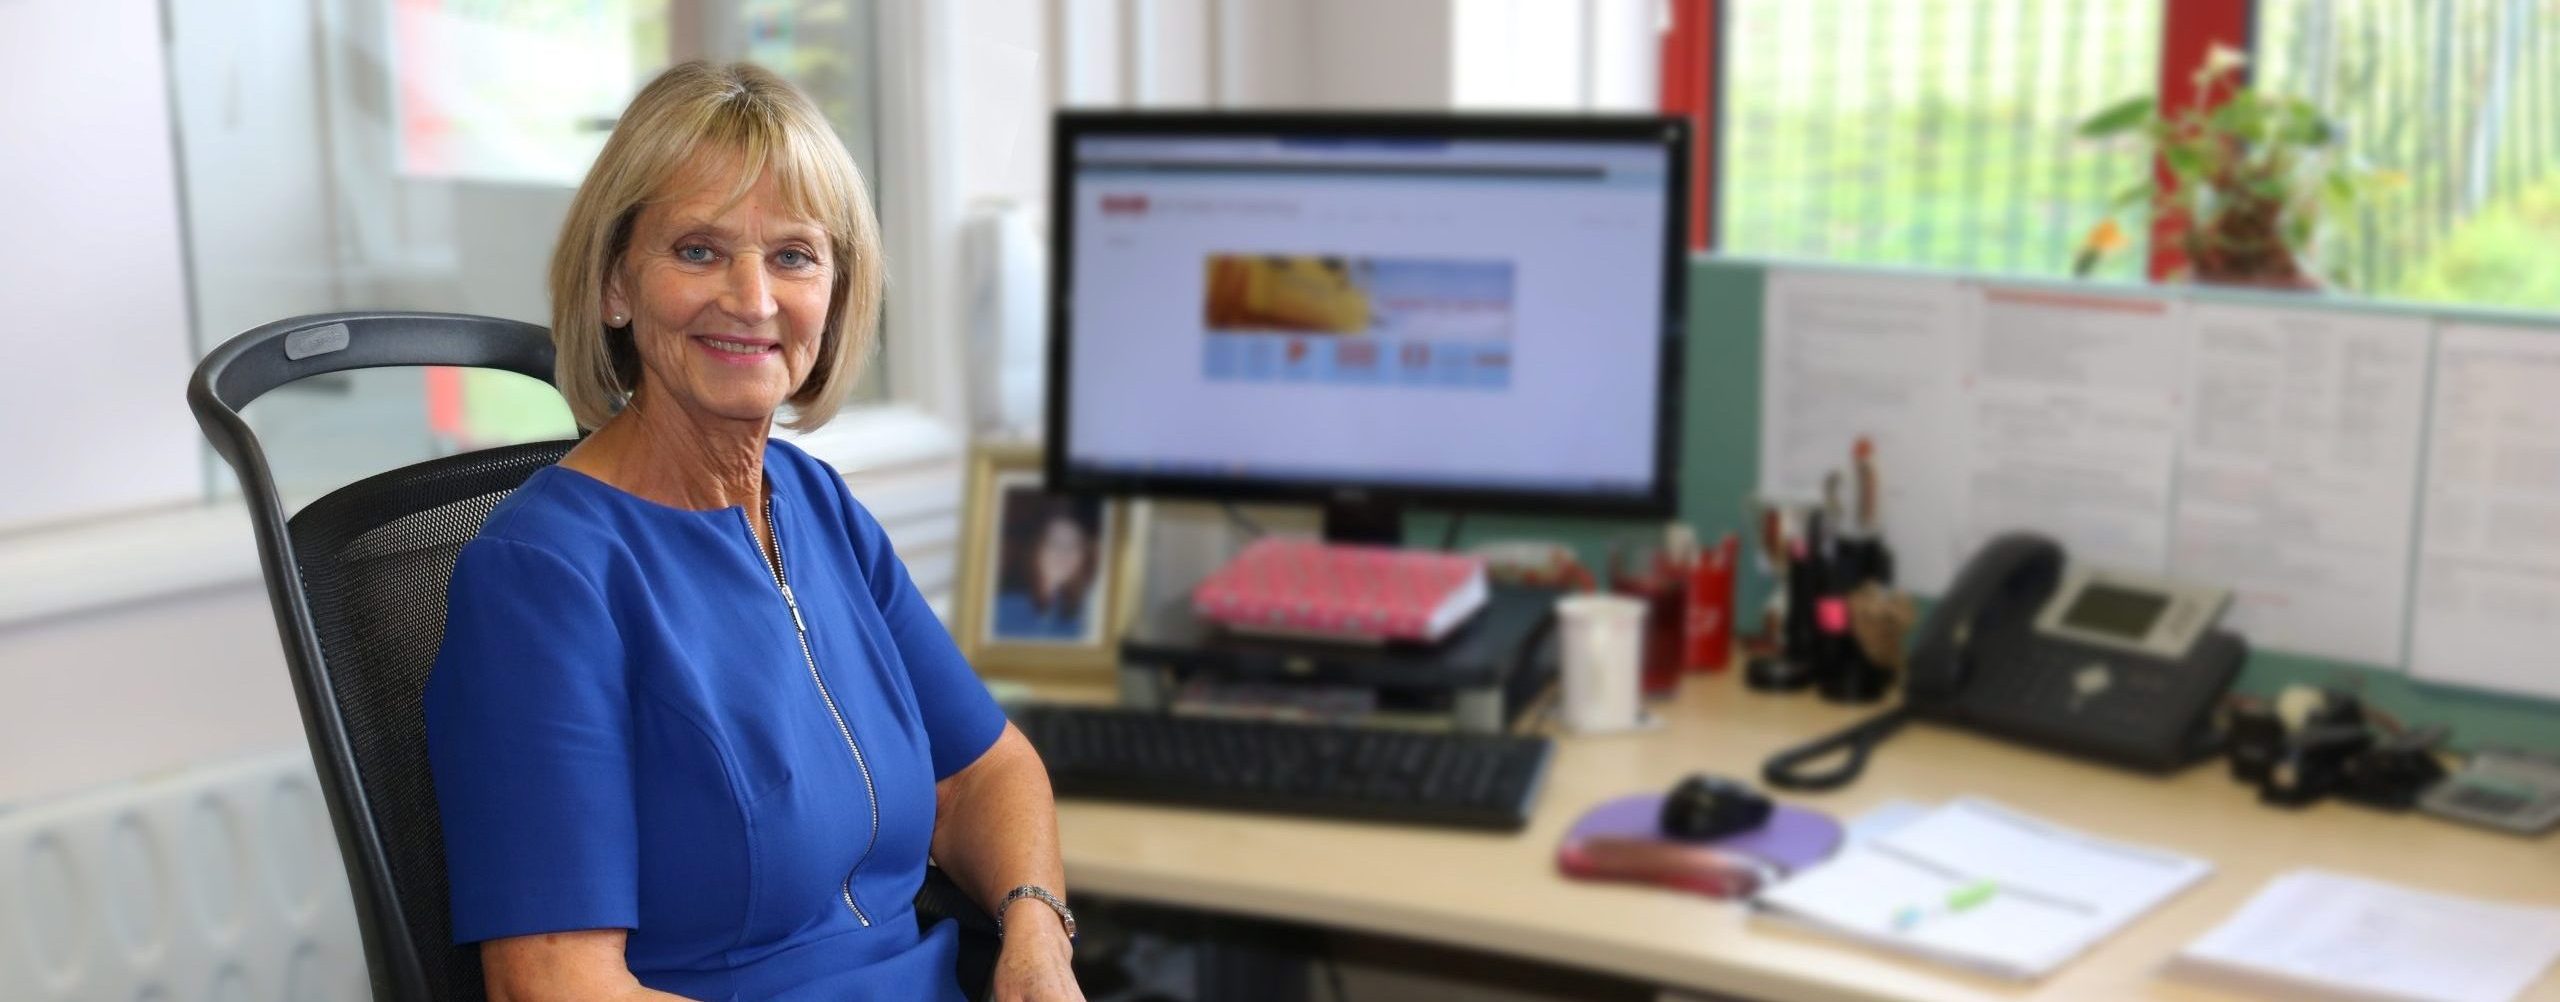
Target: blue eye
{"type": "Point", "coordinates": [795, 259]}
{"type": "Point", "coordinates": [695, 254]}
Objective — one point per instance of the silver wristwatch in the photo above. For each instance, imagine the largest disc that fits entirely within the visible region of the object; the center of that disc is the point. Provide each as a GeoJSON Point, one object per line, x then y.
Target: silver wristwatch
{"type": "Point", "coordinates": [1065, 915]}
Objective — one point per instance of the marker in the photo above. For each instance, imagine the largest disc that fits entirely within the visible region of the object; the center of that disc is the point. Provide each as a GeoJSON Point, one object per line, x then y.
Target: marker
{"type": "Point", "coordinates": [1959, 901]}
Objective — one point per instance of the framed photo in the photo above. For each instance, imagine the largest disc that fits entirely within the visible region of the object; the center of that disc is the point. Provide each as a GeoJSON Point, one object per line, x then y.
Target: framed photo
{"type": "Point", "coordinates": [1046, 580]}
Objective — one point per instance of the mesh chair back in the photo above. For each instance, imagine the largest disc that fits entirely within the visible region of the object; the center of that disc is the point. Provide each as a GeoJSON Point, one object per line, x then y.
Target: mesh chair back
{"type": "Point", "coordinates": [375, 557]}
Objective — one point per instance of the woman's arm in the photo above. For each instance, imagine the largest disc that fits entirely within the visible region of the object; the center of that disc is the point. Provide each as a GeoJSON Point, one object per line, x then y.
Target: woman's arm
{"type": "Point", "coordinates": [996, 828]}
{"type": "Point", "coordinates": [567, 966]}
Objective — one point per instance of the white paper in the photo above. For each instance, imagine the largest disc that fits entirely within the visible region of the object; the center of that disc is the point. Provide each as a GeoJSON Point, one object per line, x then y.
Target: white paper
{"type": "Point", "coordinates": [2296, 473]}
{"type": "Point", "coordinates": [2488, 576]}
{"type": "Point", "coordinates": [2347, 936]}
{"type": "Point", "coordinates": [2072, 405]}
{"type": "Point", "coordinates": [2055, 891]}
{"type": "Point", "coordinates": [1846, 357]}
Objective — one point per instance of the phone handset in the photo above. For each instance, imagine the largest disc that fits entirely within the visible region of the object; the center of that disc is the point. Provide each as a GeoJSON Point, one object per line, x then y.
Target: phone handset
{"type": "Point", "coordinates": [1999, 590]}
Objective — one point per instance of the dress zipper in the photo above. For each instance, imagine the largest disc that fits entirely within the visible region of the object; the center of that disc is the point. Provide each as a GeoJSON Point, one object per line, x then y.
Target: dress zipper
{"type": "Point", "coordinates": [782, 583]}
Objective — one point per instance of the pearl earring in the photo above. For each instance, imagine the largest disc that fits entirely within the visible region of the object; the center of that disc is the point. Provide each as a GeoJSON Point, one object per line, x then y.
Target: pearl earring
{"type": "Point", "coordinates": [617, 320]}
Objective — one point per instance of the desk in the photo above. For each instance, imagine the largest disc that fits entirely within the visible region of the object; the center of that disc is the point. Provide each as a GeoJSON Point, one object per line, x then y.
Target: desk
{"type": "Point", "coordinates": [1501, 893]}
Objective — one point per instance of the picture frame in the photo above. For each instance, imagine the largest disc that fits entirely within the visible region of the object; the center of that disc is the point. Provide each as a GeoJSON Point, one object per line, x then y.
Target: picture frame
{"type": "Point", "coordinates": [1046, 581]}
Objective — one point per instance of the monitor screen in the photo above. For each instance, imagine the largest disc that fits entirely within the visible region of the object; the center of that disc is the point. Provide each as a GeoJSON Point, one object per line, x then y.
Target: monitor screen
{"type": "Point", "coordinates": [1450, 308]}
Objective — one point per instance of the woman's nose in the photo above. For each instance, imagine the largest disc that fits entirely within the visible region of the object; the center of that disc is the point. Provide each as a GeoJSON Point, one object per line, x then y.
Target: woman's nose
{"type": "Point", "coordinates": [749, 295]}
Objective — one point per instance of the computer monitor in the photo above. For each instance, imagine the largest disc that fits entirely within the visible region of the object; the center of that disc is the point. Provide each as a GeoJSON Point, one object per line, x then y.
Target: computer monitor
{"type": "Point", "coordinates": [1369, 311]}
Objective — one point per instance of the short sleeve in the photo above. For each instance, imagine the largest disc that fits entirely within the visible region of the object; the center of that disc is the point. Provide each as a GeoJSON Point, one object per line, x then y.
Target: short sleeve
{"type": "Point", "coordinates": [961, 719]}
{"type": "Point", "coordinates": [529, 736]}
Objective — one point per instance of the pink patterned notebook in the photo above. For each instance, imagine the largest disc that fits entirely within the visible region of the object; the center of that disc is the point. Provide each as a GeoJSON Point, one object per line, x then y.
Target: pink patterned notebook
{"type": "Point", "coordinates": [1369, 594]}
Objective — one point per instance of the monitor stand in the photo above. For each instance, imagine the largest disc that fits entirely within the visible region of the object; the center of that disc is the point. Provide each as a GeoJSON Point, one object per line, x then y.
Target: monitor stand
{"type": "Point", "coordinates": [1363, 521]}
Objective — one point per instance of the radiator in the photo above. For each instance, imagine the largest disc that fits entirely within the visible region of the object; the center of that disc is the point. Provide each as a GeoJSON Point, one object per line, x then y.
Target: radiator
{"type": "Point", "coordinates": [218, 883]}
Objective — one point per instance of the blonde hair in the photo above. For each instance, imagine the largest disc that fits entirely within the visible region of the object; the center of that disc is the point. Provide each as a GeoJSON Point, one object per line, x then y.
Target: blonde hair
{"type": "Point", "coordinates": [696, 114]}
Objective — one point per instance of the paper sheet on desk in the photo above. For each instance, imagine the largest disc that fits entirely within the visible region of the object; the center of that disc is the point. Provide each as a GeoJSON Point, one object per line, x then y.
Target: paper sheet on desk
{"type": "Point", "coordinates": [2056, 891]}
{"type": "Point", "coordinates": [2336, 936]}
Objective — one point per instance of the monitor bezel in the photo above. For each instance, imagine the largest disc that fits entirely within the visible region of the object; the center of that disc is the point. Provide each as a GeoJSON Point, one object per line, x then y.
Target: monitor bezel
{"type": "Point", "coordinates": [1662, 502]}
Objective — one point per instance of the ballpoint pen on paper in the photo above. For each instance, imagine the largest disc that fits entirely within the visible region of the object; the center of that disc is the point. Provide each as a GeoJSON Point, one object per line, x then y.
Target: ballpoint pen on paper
{"type": "Point", "coordinates": [1959, 901]}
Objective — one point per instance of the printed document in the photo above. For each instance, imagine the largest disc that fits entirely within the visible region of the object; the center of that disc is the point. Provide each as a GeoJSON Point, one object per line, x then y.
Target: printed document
{"type": "Point", "coordinates": [2313, 933]}
{"type": "Point", "coordinates": [2072, 404]}
{"type": "Point", "coordinates": [2488, 582]}
{"type": "Point", "coordinates": [1851, 356]}
{"type": "Point", "coordinates": [2295, 474]}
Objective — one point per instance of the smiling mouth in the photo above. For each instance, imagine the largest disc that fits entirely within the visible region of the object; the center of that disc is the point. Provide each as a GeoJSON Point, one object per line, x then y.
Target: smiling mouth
{"type": "Point", "coordinates": [748, 348]}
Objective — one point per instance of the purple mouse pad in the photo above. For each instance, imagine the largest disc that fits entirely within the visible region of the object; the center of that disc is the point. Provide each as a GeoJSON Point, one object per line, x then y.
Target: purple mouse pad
{"type": "Point", "coordinates": [1793, 839]}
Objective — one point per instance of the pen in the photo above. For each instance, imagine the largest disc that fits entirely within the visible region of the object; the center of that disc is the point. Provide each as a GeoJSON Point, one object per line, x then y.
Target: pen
{"type": "Point", "coordinates": [1865, 466]}
{"type": "Point", "coordinates": [1959, 901]}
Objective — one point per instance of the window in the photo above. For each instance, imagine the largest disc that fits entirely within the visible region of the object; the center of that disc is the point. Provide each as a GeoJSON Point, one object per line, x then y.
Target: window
{"type": "Point", "coordinates": [2462, 101]}
{"type": "Point", "coordinates": [425, 160]}
{"type": "Point", "coordinates": [1925, 132]}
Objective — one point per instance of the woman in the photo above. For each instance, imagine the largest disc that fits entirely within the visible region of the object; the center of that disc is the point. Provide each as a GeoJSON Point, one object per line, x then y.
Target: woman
{"type": "Point", "coordinates": [694, 732]}
{"type": "Point", "coordinates": [1053, 559]}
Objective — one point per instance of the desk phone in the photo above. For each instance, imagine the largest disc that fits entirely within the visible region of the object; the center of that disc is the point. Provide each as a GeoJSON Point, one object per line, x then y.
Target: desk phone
{"type": "Point", "coordinates": [2120, 667]}
{"type": "Point", "coordinates": [2113, 665]}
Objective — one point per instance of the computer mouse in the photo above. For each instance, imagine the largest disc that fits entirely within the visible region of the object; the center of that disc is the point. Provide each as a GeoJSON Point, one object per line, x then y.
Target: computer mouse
{"type": "Point", "coordinates": [1705, 807]}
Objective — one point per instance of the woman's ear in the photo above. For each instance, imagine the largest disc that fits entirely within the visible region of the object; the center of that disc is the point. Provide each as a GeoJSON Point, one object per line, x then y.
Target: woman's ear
{"type": "Point", "coordinates": [616, 304]}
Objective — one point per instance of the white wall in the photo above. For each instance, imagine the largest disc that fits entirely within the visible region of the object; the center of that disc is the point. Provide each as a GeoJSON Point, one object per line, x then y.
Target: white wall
{"type": "Point", "coordinates": [141, 689]}
{"type": "Point", "coordinates": [92, 417]}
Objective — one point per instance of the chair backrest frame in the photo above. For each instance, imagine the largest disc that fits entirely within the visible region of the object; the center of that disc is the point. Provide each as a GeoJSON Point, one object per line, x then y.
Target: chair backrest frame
{"type": "Point", "coordinates": [229, 377]}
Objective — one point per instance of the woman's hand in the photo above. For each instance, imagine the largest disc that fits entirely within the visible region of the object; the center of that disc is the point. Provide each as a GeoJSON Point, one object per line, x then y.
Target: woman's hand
{"type": "Point", "coordinates": [1033, 964]}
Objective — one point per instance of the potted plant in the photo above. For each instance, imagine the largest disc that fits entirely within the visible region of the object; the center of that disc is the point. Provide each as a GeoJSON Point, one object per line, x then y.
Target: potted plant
{"type": "Point", "coordinates": [2250, 180]}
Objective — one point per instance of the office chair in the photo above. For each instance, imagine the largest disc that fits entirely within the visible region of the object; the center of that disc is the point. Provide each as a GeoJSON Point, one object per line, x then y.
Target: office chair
{"type": "Point", "coordinates": [357, 580]}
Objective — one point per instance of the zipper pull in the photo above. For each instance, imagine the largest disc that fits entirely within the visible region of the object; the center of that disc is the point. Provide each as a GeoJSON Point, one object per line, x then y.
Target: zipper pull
{"type": "Point", "coordinates": [795, 609]}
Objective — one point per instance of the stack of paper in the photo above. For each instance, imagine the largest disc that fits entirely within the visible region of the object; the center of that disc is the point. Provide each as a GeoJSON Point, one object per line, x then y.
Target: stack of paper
{"type": "Point", "coordinates": [2325, 935]}
{"type": "Point", "coordinates": [1977, 884]}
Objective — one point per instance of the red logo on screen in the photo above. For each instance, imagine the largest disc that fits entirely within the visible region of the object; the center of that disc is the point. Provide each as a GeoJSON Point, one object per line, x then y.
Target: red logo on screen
{"type": "Point", "coordinates": [1120, 205]}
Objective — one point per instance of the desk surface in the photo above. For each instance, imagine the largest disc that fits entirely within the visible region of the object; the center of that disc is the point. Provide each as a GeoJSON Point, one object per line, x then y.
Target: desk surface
{"type": "Point", "coordinates": [1501, 893]}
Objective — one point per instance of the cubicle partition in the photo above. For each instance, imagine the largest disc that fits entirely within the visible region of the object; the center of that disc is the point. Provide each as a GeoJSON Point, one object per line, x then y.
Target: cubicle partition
{"type": "Point", "coordinates": [2415, 370]}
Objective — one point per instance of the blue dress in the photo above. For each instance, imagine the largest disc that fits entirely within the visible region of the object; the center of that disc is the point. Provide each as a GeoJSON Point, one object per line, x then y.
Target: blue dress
{"type": "Point", "coordinates": [626, 733]}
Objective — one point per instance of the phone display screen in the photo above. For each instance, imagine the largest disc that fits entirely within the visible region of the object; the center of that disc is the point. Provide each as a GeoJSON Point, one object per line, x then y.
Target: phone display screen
{"type": "Point", "coordinates": [2115, 610]}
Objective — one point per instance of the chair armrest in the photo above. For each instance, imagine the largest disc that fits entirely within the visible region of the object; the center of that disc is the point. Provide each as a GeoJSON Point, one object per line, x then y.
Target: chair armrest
{"type": "Point", "coordinates": [941, 898]}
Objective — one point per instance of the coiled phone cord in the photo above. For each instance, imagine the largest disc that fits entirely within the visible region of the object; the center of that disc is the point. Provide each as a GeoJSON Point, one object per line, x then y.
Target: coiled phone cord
{"type": "Point", "coordinates": [1786, 770]}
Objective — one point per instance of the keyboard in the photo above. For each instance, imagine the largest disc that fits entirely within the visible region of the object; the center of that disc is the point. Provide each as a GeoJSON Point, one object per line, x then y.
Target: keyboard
{"type": "Point", "coordinates": [1483, 781]}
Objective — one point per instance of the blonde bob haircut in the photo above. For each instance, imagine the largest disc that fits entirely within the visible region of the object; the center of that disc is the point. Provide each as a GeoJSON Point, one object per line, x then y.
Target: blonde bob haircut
{"type": "Point", "coordinates": [691, 121]}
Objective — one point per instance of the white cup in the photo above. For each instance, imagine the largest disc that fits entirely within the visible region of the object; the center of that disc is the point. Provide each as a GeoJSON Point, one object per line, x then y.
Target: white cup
{"type": "Point", "coordinates": [1603, 652]}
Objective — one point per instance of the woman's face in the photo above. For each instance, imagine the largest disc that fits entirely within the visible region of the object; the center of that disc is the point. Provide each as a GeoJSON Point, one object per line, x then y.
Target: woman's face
{"type": "Point", "coordinates": [1062, 554]}
{"type": "Point", "coordinates": [728, 307]}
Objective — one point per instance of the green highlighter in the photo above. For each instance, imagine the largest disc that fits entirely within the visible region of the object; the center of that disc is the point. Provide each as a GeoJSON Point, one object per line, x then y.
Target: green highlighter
{"type": "Point", "coordinates": [1959, 901]}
